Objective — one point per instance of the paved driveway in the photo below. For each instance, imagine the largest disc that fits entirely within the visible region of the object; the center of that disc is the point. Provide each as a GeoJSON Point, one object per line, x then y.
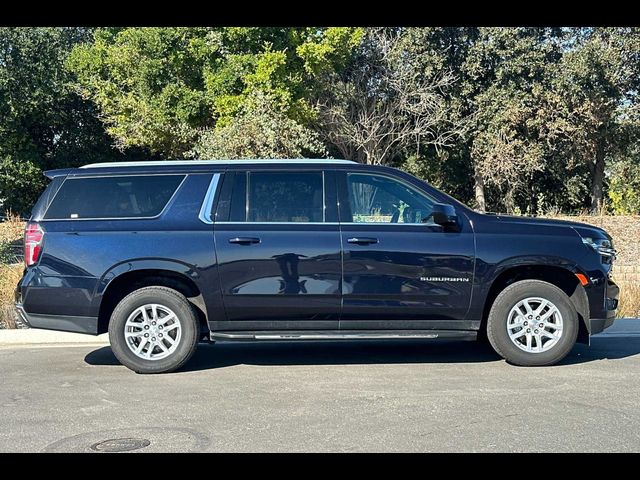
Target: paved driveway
{"type": "Point", "coordinates": [367, 396]}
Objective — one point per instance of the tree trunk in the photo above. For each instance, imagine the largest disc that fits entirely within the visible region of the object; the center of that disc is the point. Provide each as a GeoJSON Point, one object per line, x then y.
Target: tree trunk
{"type": "Point", "coordinates": [597, 187]}
{"type": "Point", "coordinates": [480, 200]}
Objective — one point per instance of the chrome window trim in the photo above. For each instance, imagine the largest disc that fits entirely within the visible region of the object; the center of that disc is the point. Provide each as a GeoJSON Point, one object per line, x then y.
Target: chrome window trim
{"type": "Point", "coordinates": [392, 224]}
{"type": "Point", "coordinates": [247, 184]}
{"type": "Point", "coordinates": [278, 223]}
{"type": "Point", "coordinates": [330, 223]}
{"type": "Point", "coordinates": [162, 212]}
{"type": "Point", "coordinates": [206, 210]}
{"type": "Point", "coordinates": [324, 199]}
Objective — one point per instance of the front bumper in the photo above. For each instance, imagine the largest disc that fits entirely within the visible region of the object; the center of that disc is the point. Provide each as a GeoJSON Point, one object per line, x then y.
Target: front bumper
{"type": "Point", "coordinates": [607, 313]}
{"type": "Point", "coordinates": [597, 325]}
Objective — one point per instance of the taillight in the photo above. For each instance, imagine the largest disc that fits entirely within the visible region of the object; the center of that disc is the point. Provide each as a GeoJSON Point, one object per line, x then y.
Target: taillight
{"type": "Point", "coordinates": [33, 236]}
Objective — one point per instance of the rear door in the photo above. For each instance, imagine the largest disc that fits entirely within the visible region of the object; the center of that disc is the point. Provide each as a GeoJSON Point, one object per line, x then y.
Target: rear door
{"type": "Point", "coordinates": [278, 249]}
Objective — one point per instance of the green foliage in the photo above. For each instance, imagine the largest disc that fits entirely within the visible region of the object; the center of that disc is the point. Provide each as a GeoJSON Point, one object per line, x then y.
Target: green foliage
{"type": "Point", "coordinates": [624, 187]}
{"type": "Point", "coordinates": [259, 130]}
{"type": "Point", "coordinates": [159, 87]}
{"type": "Point", "coordinates": [594, 100]}
{"type": "Point", "coordinates": [45, 124]}
{"type": "Point", "coordinates": [20, 183]}
{"type": "Point", "coordinates": [148, 83]}
{"type": "Point", "coordinates": [330, 51]}
{"type": "Point", "coordinates": [531, 120]}
{"type": "Point", "coordinates": [505, 77]}
{"type": "Point", "coordinates": [549, 107]}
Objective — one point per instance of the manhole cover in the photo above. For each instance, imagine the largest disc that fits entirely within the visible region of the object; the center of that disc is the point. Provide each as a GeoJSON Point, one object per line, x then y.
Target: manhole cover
{"type": "Point", "coordinates": [120, 445]}
{"type": "Point", "coordinates": [140, 440]}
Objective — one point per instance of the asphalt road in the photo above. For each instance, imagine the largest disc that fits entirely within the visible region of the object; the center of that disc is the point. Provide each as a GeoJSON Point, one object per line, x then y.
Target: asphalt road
{"type": "Point", "coordinates": [338, 396]}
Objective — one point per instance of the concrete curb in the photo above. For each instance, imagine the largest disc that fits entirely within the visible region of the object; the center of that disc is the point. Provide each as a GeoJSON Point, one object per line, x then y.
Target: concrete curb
{"type": "Point", "coordinates": [34, 336]}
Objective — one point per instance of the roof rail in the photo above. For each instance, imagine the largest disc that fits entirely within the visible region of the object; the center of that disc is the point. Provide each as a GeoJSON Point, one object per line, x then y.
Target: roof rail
{"type": "Point", "coordinates": [154, 163]}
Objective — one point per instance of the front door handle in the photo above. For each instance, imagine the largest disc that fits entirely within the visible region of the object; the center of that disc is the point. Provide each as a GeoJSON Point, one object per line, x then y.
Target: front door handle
{"type": "Point", "coordinates": [244, 240]}
{"type": "Point", "coordinates": [363, 240]}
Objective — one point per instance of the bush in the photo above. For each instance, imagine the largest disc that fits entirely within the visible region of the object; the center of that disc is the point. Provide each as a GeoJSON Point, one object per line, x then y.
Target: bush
{"type": "Point", "coordinates": [624, 187]}
{"type": "Point", "coordinates": [260, 130]}
{"type": "Point", "coordinates": [21, 182]}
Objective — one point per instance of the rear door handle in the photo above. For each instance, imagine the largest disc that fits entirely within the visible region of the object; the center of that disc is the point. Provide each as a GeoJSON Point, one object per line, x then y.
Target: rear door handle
{"type": "Point", "coordinates": [362, 240]}
{"type": "Point", "coordinates": [244, 240]}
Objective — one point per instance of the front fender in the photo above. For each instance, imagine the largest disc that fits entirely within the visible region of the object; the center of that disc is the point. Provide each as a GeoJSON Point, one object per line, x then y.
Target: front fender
{"type": "Point", "coordinates": [494, 274]}
{"type": "Point", "coordinates": [496, 270]}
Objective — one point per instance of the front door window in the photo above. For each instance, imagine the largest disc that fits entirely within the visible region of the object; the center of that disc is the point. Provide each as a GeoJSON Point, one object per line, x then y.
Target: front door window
{"type": "Point", "coordinates": [379, 199]}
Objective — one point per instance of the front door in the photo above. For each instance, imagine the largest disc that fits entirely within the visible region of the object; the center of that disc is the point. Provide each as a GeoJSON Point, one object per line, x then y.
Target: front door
{"type": "Point", "coordinates": [278, 250]}
{"type": "Point", "coordinates": [400, 270]}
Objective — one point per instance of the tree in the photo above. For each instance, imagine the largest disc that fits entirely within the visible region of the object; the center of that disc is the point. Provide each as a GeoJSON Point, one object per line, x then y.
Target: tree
{"type": "Point", "coordinates": [259, 130]}
{"type": "Point", "coordinates": [20, 184]}
{"type": "Point", "coordinates": [432, 50]}
{"type": "Point", "coordinates": [45, 124]}
{"type": "Point", "coordinates": [162, 88]}
{"type": "Point", "coordinates": [505, 76]}
{"type": "Point", "coordinates": [380, 103]}
{"type": "Point", "coordinates": [501, 76]}
{"type": "Point", "coordinates": [597, 85]}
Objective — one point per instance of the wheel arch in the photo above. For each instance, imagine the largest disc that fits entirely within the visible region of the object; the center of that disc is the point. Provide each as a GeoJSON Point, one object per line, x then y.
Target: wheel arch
{"type": "Point", "coordinates": [562, 276]}
{"type": "Point", "coordinates": [126, 277]}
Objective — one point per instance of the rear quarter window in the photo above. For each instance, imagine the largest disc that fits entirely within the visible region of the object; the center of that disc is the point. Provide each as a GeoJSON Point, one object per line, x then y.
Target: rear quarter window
{"type": "Point", "coordinates": [45, 199]}
{"type": "Point", "coordinates": [130, 196]}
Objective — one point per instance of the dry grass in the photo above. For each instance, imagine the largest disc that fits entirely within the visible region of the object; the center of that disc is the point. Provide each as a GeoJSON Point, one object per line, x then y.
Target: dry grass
{"type": "Point", "coordinates": [9, 277]}
{"type": "Point", "coordinates": [629, 306]}
{"type": "Point", "coordinates": [11, 231]}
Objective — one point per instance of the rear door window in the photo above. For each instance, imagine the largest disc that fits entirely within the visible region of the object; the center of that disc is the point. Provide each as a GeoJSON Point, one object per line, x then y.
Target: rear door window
{"type": "Point", "coordinates": [130, 196]}
{"type": "Point", "coordinates": [285, 197]}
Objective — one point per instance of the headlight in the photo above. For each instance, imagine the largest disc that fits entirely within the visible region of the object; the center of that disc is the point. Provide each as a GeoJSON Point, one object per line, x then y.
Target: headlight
{"type": "Point", "coordinates": [603, 246]}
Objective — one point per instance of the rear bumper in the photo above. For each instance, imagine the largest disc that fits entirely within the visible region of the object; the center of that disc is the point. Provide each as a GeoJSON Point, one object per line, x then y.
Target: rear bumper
{"type": "Point", "coordinates": [64, 323]}
{"type": "Point", "coordinates": [54, 299]}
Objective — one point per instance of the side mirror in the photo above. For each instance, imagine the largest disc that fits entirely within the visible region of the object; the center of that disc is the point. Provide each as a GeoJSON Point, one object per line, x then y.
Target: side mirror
{"type": "Point", "coordinates": [444, 214]}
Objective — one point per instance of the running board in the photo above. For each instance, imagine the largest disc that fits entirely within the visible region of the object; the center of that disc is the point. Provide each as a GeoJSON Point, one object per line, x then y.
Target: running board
{"type": "Point", "coordinates": [346, 335]}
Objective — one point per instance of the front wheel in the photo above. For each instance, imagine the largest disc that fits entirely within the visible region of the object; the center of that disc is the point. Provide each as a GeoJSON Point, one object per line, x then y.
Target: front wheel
{"type": "Point", "coordinates": [532, 323]}
{"type": "Point", "coordinates": [154, 330]}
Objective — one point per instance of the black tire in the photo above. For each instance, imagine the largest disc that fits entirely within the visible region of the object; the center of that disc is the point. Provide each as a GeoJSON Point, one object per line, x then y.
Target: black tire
{"type": "Point", "coordinates": [498, 316]}
{"type": "Point", "coordinates": [162, 296]}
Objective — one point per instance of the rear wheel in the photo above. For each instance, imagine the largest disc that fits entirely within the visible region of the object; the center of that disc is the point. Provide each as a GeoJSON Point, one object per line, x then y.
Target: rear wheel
{"type": "Point", "coordinates": [154, 330]}
{"type": "Point", "coordinates": [531, 323]}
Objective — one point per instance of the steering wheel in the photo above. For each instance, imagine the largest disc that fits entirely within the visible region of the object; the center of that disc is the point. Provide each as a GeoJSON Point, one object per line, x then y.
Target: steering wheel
{"type": "Point", "coordinates": [395, 217]}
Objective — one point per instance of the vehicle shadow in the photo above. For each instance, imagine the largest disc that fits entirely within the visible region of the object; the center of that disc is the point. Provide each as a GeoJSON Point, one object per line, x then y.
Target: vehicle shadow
{"type": "Point", "coordinates": [228, 354]}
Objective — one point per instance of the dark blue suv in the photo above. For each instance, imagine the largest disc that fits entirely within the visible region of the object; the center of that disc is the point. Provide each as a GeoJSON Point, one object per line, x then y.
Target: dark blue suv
{"type": "Point", "coordinates": [163, 255]}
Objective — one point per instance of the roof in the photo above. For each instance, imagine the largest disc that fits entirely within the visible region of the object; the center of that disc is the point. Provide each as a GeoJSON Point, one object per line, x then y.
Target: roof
{"type": "Point", "coordinates": [168, 163]}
